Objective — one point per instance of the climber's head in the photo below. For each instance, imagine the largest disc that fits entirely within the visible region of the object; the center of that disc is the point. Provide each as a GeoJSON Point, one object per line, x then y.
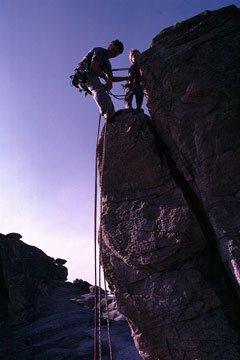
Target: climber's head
{"type": "Point", "coordinates": [115, 48]}
{"type": "Point", "coordinates": [134, 53]}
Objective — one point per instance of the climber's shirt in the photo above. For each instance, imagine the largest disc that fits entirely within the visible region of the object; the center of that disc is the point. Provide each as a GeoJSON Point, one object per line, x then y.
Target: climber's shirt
{"type": "Point", "coordinates": [101, 55]}
{"type": "Point", "coordinates": [134, 76]}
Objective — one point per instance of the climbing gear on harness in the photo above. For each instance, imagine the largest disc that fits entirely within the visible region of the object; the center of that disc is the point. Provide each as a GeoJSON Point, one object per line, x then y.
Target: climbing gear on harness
{"type": "Point", "coordinates": [80, 77]}
{"type": "Point", "coordinates": [78, 80]}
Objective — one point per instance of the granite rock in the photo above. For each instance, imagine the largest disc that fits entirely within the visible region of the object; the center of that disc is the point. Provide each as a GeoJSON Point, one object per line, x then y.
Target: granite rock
{"type": "Point", "coordinates": [169, 232]}
{"type": "Point", "coordinates": [24, 270]}
{"type": "Point", "coordinates": [191, 77]}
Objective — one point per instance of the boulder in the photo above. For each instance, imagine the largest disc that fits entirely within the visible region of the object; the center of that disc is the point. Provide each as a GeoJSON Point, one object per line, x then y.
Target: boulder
{"type": "Point", "coordinates": [45, 317]}
{"type": "Point", "coordinates": [24, 270]}
{"type": "Point", "coordinates": [191, 76]}
{"type": "Point", "coordinates": [170, 195]}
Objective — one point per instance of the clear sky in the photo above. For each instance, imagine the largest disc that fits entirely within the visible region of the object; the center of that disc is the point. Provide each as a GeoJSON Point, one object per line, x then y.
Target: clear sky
{"type": "Point", "coordinates": [48, 129]}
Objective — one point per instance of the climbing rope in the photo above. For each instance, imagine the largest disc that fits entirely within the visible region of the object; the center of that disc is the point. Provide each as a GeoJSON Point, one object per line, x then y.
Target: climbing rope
{"type": "Point", "coordinates": [99, 311]}
{"type": "Point", "coordinates": [118, 97]}
{"type": "Point", "coordinates": [121, 96]}
{"type": "Point", "coordinates": [95, 253]}
{"type": "Point", "coordinates": [108, 322]}
{"type": "Point", "coordinates": [100, 241]}
{"type": "Point", "coordinates": [95, 246]}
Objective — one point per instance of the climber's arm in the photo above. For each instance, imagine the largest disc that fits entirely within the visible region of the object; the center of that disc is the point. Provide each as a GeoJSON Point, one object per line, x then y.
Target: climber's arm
{"type": "Point", "coordinates": [98, 70]}
{"type": "Point", "coordinates": [117, 78]}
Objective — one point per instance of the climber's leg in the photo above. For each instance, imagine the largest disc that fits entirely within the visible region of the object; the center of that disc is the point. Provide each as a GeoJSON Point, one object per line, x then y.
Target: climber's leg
{"type": "Point", "coordinates": [101, 97]}
{"type": "Point", "coordinates": [139, 96]}
{"type": "Point", "coordinates": [128, 99]}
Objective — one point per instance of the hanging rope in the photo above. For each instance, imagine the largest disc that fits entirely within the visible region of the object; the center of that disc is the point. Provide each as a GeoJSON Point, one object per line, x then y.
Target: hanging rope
{"type": "Point", "coordinates": [100, 237]}
{"type": "Point", "coordinates": [108, 322]}
{"type": "Point", "coordinates": [118, 97]}
{"type": "Point", "coordinates": [99, 260]}
{"type": "Point", "coordinates": [95, 253]}
{"type": "Point", "coordinates": [95, 246]}
{"type": "Point", "coordinates": [99, 312]}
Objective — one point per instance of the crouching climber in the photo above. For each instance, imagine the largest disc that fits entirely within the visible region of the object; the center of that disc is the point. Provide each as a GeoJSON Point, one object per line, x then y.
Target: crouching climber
{"type": "Point", "coordinates": [96, 65]}
{"type": "Point", "coordinates": [134, 85]}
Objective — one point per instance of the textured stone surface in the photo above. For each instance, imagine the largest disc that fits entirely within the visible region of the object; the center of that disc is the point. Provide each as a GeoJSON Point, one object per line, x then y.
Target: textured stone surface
{"type": "Point", "coordinates": [24, 270]}
{"type": "Point", "coordinates": [44, 317]}
{"type": "Point", "coordinates": [191, 77]}
{"type": "Point", "coordinates": [170, 187]}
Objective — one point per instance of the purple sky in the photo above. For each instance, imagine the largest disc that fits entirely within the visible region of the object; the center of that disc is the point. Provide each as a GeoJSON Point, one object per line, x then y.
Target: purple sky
{"type": "Point", "coordinates": [48, 129]}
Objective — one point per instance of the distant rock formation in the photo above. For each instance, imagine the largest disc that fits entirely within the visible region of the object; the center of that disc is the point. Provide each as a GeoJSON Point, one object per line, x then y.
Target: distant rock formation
{"type": "Point", "coordinates": [171, 196]}
{"type": "Point", "coordinates": [44, 317]}
{"type": "Point", "coordinates": [24, 271]}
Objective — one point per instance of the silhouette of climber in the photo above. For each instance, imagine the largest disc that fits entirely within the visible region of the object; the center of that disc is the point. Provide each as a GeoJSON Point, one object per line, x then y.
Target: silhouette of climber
{"type": "Point", "coordinates": [134, 85]}
{"type": "Point", "coordinates": [96, 64]}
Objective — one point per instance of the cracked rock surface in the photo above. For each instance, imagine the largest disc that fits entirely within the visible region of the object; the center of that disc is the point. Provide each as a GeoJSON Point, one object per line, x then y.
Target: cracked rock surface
{"type": "Point", "coordinates": [170, 191]}
{"type": "Point", "coordinates": [191, 77]}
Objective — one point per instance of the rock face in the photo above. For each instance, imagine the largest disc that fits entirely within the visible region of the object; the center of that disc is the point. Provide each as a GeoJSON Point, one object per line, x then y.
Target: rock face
{"type": "Point", "coordinates": [170, 191]}
{"type": "Point", "coordinates": [24, 271]}
{"type": "Point", "coordinates": [44, 317]}
{"type": "Point", "coordinates": [193, 99]}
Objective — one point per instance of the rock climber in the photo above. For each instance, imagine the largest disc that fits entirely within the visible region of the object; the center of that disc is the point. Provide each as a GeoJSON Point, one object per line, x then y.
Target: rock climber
{"type": "Point", "coordinates": [134, 85]}
{"type": "Point", "coordinates": [94, 65]}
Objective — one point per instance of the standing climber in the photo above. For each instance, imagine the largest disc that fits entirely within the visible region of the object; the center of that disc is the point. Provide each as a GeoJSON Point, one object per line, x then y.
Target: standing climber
{"type": "Point", "coordinates": [134, 85]}
{"type": "Point", "coordinates": [94, 65]}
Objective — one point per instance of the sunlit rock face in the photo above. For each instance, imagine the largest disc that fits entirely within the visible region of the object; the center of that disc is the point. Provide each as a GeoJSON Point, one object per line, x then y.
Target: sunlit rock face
{"type": "Point", "coordinates": [192, 79]}
{"type": "Point", "coordinates": [170, 192]}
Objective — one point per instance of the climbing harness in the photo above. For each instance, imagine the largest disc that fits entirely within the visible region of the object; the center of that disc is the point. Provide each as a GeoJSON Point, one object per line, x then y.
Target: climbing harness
{"type": "Point", "coordinates": [78, 81]}
{"type": "Point", "coordinates": [95, 254]}
{"type": "Point", "coordinates": [79, 78]}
